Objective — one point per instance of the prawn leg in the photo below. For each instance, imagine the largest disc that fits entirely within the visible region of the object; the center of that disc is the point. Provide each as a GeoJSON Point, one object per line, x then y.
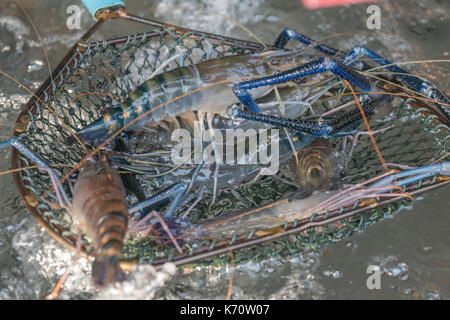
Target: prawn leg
{"type": "Point", "coordinates": [19, 146]}
{"type": "Point", "coordinates": [288, 34]}
{"type": "Point", "coordinates": [339, 126]}
{"type": "Point", "coordinates": [414, 175]}
{"type": "Point", "coordinates": [356, 52]}
{"type": "Point", "coordinates": [412, 81]}
{"type": "Point", "coordinates": [176, 192]}
{"type": "Point", "coordinates": [241, 90]}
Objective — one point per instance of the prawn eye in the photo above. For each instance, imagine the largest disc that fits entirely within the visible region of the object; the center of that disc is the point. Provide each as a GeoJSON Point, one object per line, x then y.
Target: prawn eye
{"type": "Point", "coordinates": [275, 62]}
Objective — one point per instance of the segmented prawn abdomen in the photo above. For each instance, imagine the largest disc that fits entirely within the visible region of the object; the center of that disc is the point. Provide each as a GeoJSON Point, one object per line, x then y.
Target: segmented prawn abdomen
{"type": "Point", "coordinates": [99, 205]}
{"type": "Point", "coordinates": [165, 93]}
{"type": "Point", "coordinates": [182, 82]}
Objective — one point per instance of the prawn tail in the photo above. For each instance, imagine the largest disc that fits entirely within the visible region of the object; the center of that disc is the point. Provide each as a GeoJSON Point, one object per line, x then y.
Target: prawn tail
{"type": "Point", "coordinates": [106, 270]}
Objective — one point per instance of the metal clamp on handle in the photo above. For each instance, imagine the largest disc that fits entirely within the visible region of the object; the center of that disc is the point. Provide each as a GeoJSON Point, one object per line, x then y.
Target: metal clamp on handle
{"type": "Point", "coordinates": [95, 7]}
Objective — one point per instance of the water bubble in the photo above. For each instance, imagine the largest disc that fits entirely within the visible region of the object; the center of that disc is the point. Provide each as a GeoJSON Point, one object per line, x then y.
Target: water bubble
{"type": "Point", "coordinates": [272, 18]}
{"type": "Point", "coordinates": [294, 260]}
{"type": "Point", "coordinates": [252, 266]}
{"type": "Point", "coordinates": [404, 277]}
{"type": "Point", "coordinates": [432, 295]}
{"type": "Point", "coordinates": [333, 273]}
{"type": "Point", "coordinates": [337, 274]}
{"type": "Point", "coordinates": [408, 291]}
{"type": "Point", "coordinates": [258, 18]}
{"type": "Point", "coordinates": [35, 65]}
{"type": "Point", "coordinates": [310, 277]}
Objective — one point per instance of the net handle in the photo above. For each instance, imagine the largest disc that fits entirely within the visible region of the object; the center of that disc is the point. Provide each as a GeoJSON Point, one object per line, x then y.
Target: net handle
{"type": "Point", "coordinates": [94, 6]}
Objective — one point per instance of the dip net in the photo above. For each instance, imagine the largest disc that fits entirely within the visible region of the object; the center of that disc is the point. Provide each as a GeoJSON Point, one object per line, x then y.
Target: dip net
{"type": "Point", "coordinates": [97, 74]}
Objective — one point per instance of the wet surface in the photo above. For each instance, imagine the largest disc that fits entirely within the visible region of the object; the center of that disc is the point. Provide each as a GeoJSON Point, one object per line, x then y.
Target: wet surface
{"type": "Point", "coordinates": [411, 248]}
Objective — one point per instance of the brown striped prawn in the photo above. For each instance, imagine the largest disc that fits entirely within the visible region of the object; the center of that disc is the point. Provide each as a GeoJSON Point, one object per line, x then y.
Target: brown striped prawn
{"type": "Point", "coordinates": [205, 87]}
